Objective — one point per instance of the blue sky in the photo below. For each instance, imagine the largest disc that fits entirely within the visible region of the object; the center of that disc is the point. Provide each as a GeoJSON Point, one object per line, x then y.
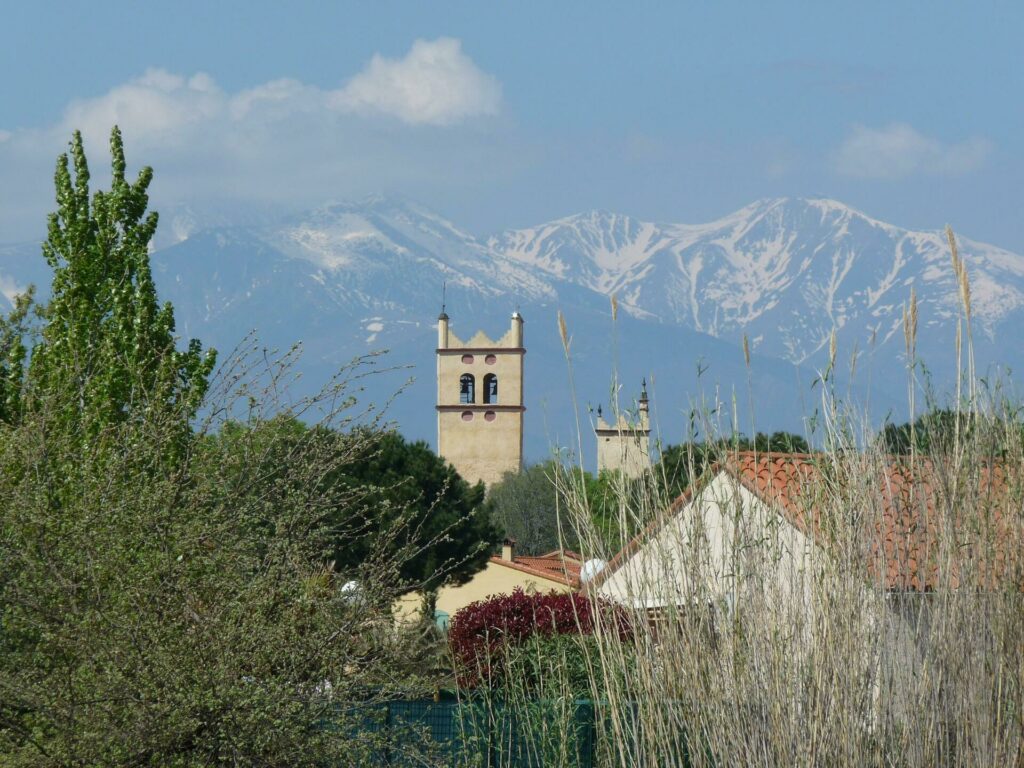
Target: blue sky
{"type": "Point", "coordinates": [512, 115]}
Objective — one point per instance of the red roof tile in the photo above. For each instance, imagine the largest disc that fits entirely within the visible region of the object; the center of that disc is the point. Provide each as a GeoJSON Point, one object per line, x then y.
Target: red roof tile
{"type": "Point", "coordinates": [561, 566]}
{"type": "Point", "coordinates": [916, 517]}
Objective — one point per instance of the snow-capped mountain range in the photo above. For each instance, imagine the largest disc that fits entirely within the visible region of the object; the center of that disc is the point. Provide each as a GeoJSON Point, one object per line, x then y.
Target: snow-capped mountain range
{"type": "Point", "coordinates": [785, 272]}
{"type": "Point", "coordinates": [351, 277]}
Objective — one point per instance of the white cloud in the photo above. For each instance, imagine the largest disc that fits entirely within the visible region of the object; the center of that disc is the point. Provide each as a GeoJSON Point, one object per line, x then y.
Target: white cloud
{"type": "Point", "coordinates": [11, 288]}
{"type": "Point", "coordinates": [898, 150]}
{"type": "Point", "coordinates": [436, 83]}
{"type": "Point", "coordinates": [282, 141]}
{"type": "Point", "coordinates": [278, 97]}
{"type": "Point", "coordinates": [157, 105]}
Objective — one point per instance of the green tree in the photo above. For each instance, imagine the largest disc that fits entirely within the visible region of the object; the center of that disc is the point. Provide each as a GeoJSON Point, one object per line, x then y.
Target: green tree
{"type": "Point", "coordinates": [14, 330]}
{"type": "Point", "coordinates": [619, 505]}
{"type": "Point", "coordinates": [106, 342]}
{"type": "Point", "coordinates": [549, 505]}
{"type": "Point", "coordinates": [166, 596]}
{"type": "Point", "coordinates": [929, 433]}
{"type": "Point", "coordinates": [421, 505]}
{"type": "Point", "coordinates": [526, 509]}
{"type": "Point", "coordinates": [398, 501]}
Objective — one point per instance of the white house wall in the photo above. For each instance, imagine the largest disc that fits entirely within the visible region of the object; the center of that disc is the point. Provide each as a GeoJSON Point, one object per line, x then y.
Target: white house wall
{"type": "Point", "coordinates": [723, 543]}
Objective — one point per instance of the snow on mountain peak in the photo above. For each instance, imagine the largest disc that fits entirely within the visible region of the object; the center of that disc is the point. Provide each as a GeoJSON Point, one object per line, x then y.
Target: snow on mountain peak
{"type": "Point", "coordinates": [784, 270]}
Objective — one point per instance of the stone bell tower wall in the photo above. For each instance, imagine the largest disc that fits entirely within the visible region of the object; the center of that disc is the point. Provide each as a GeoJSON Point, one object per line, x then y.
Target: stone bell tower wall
{"type": "Point", "coordinates": [480, 431]}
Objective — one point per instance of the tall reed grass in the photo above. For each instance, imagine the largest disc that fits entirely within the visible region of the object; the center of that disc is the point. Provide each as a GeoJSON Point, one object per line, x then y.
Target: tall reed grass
{"type": "Point", "coordinates": [879, 622]}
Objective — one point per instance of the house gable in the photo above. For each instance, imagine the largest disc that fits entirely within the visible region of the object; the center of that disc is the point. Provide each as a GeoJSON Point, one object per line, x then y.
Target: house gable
{"type": "Point", "coordinates": [696, 553]}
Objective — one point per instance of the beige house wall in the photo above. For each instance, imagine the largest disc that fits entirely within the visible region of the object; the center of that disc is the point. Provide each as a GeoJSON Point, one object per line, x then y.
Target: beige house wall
{"type": "Point", "coordinates": [494, 579]}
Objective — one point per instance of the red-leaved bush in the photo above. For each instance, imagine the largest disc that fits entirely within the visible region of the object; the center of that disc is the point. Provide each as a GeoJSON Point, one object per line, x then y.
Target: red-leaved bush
{"type": "Point", "coordinates": [481, 632]}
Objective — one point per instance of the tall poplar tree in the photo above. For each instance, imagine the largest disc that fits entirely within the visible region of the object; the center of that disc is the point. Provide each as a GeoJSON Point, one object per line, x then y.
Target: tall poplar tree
{"type": "Point", "coordinates": [106, 344]}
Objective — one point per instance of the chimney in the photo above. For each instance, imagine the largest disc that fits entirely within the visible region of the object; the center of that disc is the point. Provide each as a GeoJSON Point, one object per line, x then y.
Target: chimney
{"type": "Point", "coordinates": [508, 550]}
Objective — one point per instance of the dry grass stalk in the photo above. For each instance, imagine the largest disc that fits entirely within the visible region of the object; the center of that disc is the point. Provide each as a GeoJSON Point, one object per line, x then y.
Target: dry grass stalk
{"type": "Point", "coordinates": [832, 665]}
{"type": "Point", "coordinates": [563, 332]}
{"type": "Point", "coordinates": [964, 294]}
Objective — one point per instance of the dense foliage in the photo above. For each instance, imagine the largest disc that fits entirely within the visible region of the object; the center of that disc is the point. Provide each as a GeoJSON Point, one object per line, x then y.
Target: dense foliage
{"type": "Point", "coordinates": [441, 523]}
{"type": "Point", "coordinates": [166, 596]}
{"type": "Point", "coordinates": [533, 506]}
{"type": "Point", "coordinates": [931, 433]}
{"type": "Point", "coordinates": [484, 634]}
{"type": "Point", "coordinates": [525, 508]}
{"type": "Point", "coordinates": [106, 343]}
{"type": "Point", "coordinates": [401, 499]}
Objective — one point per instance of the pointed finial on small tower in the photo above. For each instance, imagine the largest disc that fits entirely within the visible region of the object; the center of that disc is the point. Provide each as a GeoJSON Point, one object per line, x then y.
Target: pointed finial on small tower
{"type": "Point", "coordinates": [444, 300]}
{"type": "Point", "coordinates": [442, 320]}
{"type": "Point", "coordinates": [644, 407]}
{"type": "Point", "coordinates": [599, 414]}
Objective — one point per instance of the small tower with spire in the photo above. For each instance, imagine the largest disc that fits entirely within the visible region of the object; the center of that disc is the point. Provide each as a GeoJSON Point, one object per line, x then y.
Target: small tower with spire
{"type": "Point", "coordinates": [625, 445]}
{"type": "Point", "coordinates": [480, 401]}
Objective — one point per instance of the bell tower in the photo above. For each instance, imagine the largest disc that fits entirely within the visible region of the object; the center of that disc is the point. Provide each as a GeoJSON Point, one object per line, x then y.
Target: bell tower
{"type": "Point", "coordinates": [624, 446]}
{"type": "Point", "coordinates": [480, 401]}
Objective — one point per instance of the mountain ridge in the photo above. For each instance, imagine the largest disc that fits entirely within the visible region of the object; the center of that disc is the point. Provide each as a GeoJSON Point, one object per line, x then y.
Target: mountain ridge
{"type": "Point", "coordinates": [784, 273]}
{"type": "Point", "coordinates": [723, 276]}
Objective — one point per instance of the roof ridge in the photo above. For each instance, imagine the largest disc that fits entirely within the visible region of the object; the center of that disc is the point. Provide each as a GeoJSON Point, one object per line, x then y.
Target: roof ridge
{"type": "Point", "coordinates": [778, 454]}
{"type": "Point", "coordinates": [780, 484]}
{"type": "Point", "coordinates": [564, 575]}
{"type": "Point", "coordinates": [566, 554]}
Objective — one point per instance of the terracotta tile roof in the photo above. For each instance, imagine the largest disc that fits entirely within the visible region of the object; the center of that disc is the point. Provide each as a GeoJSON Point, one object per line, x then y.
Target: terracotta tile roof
{"type": "Point", "coordinates": [914, 513]}
{"type": "Point", "coordinates": [562, 566]}
{"type": "Point", "coordinates": [912, 506]}
{"type": "Point", "coordinates": [568, 554]}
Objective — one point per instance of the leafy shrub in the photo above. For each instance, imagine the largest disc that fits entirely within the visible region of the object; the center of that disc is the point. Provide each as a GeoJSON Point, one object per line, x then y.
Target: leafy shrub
{"type": "Point", "coordinates": [484, 635]}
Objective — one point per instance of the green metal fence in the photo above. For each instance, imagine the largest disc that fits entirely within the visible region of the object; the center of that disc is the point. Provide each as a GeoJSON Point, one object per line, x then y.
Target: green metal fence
{"type": "Point", "coordinates": [482, 733]}
{"type": "Point", "coordinates": [485, 732]}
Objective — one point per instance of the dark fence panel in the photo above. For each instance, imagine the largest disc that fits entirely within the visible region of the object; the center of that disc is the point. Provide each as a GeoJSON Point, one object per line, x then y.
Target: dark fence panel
{"type": "Point", "coordinates": [482, 733]}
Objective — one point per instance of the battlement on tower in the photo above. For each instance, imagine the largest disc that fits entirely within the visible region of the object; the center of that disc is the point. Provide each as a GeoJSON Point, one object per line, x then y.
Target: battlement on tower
{"type": "Point", "coordinates": [622, 424]}
{"type": "Point", "coordinates": [511, 340]}
{"type": "Point", "coordinates": [624, 444]}
{"type": "Point", "coordinates": [481, 340]}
